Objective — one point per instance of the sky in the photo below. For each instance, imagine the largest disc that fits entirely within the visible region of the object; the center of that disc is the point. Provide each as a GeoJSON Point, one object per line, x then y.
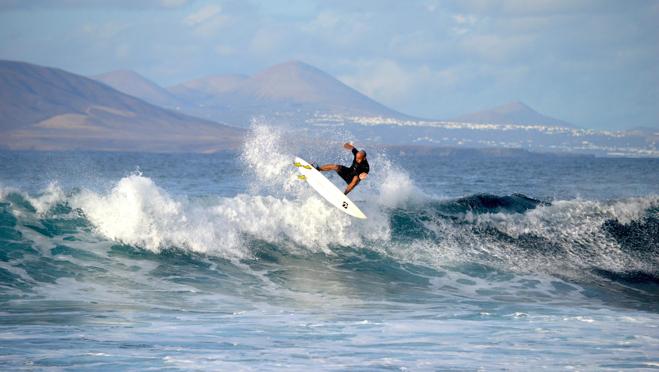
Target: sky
{"type": "Point", "coordinates": [593, 63]}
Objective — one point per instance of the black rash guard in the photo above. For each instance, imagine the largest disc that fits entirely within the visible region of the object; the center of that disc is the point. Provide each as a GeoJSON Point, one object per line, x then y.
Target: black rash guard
{"type": "Point", "coordinates": [355, 169]}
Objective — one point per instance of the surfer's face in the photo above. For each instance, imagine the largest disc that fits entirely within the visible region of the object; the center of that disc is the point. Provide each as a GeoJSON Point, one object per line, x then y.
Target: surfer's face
{"type": "Point", "coordinates": [359, 157]}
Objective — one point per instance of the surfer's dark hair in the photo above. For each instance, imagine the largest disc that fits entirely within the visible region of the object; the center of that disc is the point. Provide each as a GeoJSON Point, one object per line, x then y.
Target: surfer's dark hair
{"type": "Point", "coordinates": [363, 152]}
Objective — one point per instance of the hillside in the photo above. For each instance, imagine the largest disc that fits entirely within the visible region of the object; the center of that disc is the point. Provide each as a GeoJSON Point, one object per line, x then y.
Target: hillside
{"type": "Point", "coordinates": [511, 113]}
{"type": "Point", "coordinates": [136, 85]}
{"type": "Point", "coordinates": [199, 90]}
{"type": "Point", "coordinates": [51, 109]}
{"type": "Point", "coordinates": [302, 84]}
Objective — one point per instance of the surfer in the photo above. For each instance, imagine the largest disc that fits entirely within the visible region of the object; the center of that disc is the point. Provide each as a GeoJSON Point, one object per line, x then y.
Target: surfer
{"type": "Point", "coordinates": [353, 174]}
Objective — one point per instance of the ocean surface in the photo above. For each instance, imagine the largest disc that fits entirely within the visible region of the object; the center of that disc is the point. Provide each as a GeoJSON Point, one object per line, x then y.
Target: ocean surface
{"type": "Point", "coordinates": [468, 261]}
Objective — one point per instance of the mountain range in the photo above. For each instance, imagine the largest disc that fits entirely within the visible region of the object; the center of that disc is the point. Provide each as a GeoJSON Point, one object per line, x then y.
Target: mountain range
{"type": "Point", "coordinates": [51, 109]}
{"type": "Point", "coordinates": [285, 88]}
{"type": "Point", "coordinates": [282, 89]}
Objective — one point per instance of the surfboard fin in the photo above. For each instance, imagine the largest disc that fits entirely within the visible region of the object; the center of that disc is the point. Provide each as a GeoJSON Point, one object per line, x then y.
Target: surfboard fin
{"type": "Point", "coordinates": [301, 177]}
{"type": "Point", "coordinates": [297, 164]}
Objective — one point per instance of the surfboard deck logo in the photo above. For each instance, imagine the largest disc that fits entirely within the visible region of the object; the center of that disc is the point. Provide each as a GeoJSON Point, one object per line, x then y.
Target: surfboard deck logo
{"type": "Point", "coordinates": [327, 189]}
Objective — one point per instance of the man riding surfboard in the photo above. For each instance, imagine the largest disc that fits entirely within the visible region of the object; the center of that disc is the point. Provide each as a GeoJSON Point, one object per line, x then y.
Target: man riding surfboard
{"type": "Point", "coordinates": [352, 175]}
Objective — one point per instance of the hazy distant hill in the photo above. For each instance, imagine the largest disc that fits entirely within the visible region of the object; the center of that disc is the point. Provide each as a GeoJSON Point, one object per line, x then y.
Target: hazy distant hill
{"type": "Point", "coordinates": [48, 108]}
{"type": "Point", "coordinates": [288, 89]}
{"type": "Point", "coordinates": [136, 85]}
{"type": "Point", "coordinates": [511, 113]}
{"type": "Point", "coordinates": [207, 88]}
{"type": "Point", "coordinates": [297, 83]}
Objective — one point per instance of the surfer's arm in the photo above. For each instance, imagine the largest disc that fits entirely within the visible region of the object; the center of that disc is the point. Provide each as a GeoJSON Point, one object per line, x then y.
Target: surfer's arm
{"type": "Point", "coordinates": [351, 185]}
{"type": "Point", "coordinates": [348, 146]}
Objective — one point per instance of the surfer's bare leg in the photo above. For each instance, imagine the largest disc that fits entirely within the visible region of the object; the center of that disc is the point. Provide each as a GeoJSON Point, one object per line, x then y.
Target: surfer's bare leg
{"type": "Point", "coordinates": [328, 167]}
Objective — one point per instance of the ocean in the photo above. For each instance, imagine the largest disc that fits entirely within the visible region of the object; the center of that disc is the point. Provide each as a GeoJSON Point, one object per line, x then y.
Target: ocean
{"type": "Point", "coordinates": [469, 260]}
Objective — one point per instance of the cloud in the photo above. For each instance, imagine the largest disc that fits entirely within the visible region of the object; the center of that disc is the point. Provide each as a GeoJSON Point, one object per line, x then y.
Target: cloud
{"type": "Point", "coordinates": [462, 19]}
{"type": "Point", "coordinates": [224, 50]}
{"type": "Point", "coordinates": [173, 3]}
{"type": "Point", "coordinates": [338, 29]}
{"type": "Point", "coordinates": [416, 45]}
{"type": "Point", "coordinates": [432, 6]}
{"type": "Point", "coordinates": [202, 15]}
{"type": "Point", "coordinates": [493, 48]}
{"type": "Point", "coordinates": [388, 81]}
{"type": "Point", "coordinates": [384, 80]}
{"type": "Point", "coordinates": [267, 40]}
{"type": "Point", "coordinates": [103, 30]}
{"type": "Point", "coordinates": [207, 20]}
{"type": "Point", "coordinates": [464, 23]}
{"type": "Point", "coordinates": [122, 51]}
{"type": "Point", "coordinates": [522, 8]}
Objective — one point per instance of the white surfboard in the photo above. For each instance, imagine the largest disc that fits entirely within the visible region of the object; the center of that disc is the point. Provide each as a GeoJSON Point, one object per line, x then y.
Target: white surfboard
{"type": "Point", "coordinates": [327, 189]}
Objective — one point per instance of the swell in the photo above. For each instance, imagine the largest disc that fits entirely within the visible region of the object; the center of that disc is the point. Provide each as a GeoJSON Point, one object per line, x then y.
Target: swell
{"type": "Point", "coordinates": [618, 240]}
{"type": "Point", "coordinates": [576, 239]}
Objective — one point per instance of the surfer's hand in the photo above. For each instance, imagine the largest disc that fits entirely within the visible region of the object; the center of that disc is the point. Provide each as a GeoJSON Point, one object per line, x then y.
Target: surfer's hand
{"type": "Point", "coordinates": [363, 176]}
{"type": "Point", "coordinates": [348, 146]}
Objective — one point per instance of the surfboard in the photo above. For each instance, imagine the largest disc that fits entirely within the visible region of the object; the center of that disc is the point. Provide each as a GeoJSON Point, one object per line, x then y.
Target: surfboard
{"type": "Point", "coordinates": [327, 189]}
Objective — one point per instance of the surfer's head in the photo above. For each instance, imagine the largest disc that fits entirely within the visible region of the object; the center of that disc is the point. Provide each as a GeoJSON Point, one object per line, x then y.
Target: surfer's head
{"type": "Point", "coordinates": [361, 155]}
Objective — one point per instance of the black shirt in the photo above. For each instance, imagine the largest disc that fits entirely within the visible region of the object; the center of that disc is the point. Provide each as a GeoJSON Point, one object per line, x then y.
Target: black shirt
{"type": "Point", "coordinates": [355, 169]}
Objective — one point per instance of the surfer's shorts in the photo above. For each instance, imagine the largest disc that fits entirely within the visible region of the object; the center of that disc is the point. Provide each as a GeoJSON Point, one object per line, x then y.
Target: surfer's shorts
{"type": "Point", "coordinates": [345, 173]}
